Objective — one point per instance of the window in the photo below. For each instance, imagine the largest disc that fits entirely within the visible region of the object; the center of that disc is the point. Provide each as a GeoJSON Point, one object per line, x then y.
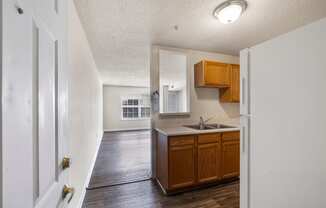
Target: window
{"type": "Point", "coordinates": [135, 107]}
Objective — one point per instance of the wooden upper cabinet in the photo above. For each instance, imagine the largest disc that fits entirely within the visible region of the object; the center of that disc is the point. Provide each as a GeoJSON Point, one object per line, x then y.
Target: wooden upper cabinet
{"type": "Point", "coordinates": [230, 155]}
{"type": "Point", "coordinates": [212, 74]}
{"type": "Point", "coordinates": [235, 83]}
{"type": "Point", "coordinates": [219, 75]}
{"type": "Point", "coordinates": [232, 93]}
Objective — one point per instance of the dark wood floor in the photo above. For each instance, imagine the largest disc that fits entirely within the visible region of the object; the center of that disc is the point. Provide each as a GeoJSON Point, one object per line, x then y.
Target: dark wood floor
{"type": "Point", "coordinates": [123, 157]}
{"type": "Point", "coordinates": [147, 194]}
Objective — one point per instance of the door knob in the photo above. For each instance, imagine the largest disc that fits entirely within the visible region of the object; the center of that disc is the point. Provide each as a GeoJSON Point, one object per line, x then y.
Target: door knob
{"type": "Point", "coordinates": [68, 192]}
{"type": "Point", "coordinates": [66, 163]}
{"type": "Point", "coordinates": [19, 9]}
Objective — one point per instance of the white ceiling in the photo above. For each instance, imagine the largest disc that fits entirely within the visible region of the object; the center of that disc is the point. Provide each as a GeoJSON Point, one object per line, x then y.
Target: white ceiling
{"type": "Point", "coordinates": [121, 32]}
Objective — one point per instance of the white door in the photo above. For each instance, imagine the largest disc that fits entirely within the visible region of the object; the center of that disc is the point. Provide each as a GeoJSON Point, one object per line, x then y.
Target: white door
{"type": "Point", "coordinates": [34, 99]}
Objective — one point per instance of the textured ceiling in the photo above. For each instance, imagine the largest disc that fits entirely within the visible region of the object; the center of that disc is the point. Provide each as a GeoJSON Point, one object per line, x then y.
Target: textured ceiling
{"type": "Point", "coordinates": [121, 32]}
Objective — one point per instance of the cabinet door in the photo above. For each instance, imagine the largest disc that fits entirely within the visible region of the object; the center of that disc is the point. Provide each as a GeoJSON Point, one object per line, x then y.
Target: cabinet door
{"type": "Point", "coordinates": [232, 93]}
{"type": "Point", "coordinates": [217, 74]}
{"type": "Point", "coordinates": [230, 159]}
{"type": "Point", "coordinates": [235, 83]}
{"type": "Point", "coordinates": [181, 166]}
{"type": "Point", "coordinates": [208, 159]}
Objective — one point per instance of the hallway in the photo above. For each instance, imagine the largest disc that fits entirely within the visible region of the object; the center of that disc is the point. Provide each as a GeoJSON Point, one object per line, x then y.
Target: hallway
{"type": "Point", "coordinates": [123, 157]}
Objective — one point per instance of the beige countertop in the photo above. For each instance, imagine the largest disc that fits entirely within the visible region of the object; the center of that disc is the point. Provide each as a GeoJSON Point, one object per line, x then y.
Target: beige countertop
{"type": "Point", "coordinates": [181, 130]}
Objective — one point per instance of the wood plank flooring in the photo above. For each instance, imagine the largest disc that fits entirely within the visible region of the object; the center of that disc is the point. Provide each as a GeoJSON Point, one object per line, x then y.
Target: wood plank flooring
{"type": "Point", "coordinates": [123, 157]}
{"type": "Point", "coordinates": [147, 194]}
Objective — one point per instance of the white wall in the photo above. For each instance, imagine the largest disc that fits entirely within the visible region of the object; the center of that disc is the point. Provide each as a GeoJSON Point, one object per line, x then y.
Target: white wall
{"type": "Point", "coordinates": [288, 134]}
{"type": "Point", "coordinates": [203, 101]}
{"type": "Point", "coordinates": [85, 106]}
{"type": "Point", "coordinates": [112, 108]}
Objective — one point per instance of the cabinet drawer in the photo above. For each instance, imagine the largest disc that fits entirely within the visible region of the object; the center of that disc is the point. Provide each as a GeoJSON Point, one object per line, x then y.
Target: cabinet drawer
{"type": "Point", "coordinates": [229, 136]}
{"type": "Point", "coordinates": [208, 138]}
{"type": "Point", "coordinates": [181, 140]}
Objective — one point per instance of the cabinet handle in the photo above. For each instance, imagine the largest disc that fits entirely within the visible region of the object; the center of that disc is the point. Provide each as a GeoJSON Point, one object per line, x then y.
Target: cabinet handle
{"type": "Point", "coordinates": [243, 146]}
{"type": "Point", "coordinates": [243, 91]}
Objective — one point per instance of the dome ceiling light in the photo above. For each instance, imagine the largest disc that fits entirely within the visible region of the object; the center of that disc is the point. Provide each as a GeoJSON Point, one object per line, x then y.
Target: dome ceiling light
{"type": "Point", "coordinates": [229, 11]}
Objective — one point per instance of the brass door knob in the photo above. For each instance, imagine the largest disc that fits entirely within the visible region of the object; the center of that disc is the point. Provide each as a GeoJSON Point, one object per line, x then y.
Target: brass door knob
{"type": "Point", "coordinates": [68, 192]}
{"type": "Point", "coordinates": [66, 163]}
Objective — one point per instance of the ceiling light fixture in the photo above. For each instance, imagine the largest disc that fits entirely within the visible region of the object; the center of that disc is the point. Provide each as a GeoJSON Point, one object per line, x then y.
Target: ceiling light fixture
{"type": "Point", "coordinates": [230, 11]}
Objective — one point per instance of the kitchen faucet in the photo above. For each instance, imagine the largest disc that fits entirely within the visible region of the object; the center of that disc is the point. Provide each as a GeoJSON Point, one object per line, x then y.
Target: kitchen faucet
{"type": "Point", "coordinates": [202, 122]}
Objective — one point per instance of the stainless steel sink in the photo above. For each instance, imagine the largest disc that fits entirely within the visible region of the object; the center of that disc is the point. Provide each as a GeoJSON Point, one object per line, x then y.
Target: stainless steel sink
{"type": "Point", "coordinates": [209, 126]}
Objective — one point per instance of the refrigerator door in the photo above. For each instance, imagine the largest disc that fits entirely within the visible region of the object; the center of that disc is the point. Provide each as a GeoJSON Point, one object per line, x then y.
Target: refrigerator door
{"type": "Point", "coordinates": [287, 137]}
{"type": "Point", "coordinates": [245, 127]}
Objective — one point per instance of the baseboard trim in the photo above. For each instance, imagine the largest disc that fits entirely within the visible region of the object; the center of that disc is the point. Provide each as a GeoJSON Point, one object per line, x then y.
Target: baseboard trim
{"type": "Point", "coordinates": [89, 175]}
{"type": "Point", "coordinates": [160, 185]}
{"type": "Point", "coordinates": [130, 129]}
{"type": "Point", "coordinates": [120, 184]}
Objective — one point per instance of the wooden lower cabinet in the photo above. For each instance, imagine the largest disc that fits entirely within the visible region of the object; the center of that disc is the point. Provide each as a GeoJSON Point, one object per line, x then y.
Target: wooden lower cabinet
{"type": "Point", "coordinates": [189, 161]}
{"type": "Point", "coordinates": [230, 159]}
{"type": "Point", "coordinates": [181, 166]}
{"type": "Point", "coordinates": [230, 155]}
{"type": "Point", "coordinates": [208, 160]}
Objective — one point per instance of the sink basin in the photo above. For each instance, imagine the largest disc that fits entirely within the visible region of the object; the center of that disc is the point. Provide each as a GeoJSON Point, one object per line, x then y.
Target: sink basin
{"type": "Point", "coordinates": [209, 126]}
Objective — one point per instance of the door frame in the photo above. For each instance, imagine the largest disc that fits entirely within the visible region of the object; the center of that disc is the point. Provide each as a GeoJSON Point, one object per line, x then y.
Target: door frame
{"type": "Point", "coordinates": [1, 146]}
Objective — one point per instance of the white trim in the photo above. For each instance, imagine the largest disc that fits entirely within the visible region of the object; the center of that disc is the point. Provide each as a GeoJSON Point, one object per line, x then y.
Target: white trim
{"type": "Point", "coordinates": [1, 95]}
{"type": "Point", "coordinates": [89, 174]}
{"type": "Point", "coordinates": [128, 129]}
{"type": "Point", "coordinates": [245, 123]}
{"type": "Point", "coordinates": [185, 52]}
{"type": "Point", "coordinates": [121, 85]}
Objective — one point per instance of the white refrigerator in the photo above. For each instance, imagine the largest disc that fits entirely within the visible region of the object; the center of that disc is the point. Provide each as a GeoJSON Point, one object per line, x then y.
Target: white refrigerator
{"type": "Point", "coordinates": [283, 121]}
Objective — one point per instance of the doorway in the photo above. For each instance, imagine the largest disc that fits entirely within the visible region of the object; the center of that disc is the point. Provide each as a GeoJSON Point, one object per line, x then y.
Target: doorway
{"type": "Point", "coordinates": [124, 157]}
{"type": "Point", "coordinates": [125, 154]}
